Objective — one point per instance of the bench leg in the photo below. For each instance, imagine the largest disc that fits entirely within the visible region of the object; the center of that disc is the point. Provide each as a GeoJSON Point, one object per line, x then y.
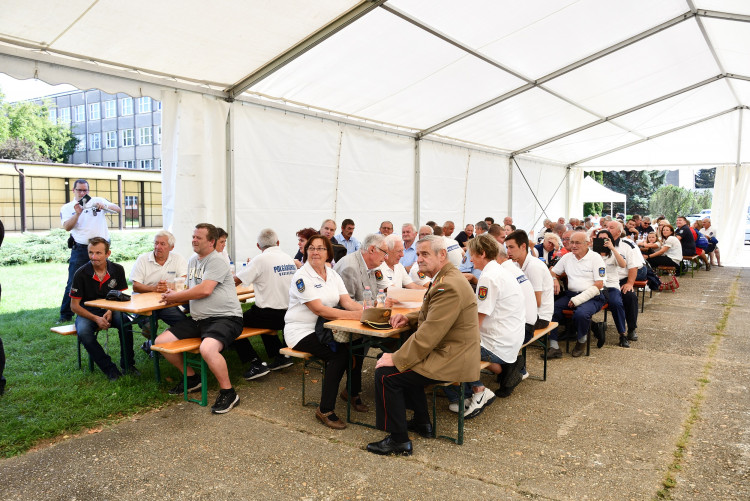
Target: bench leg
{"type": "Point", "coordinates": [197, 363]}
{"type": "Point", "coordinates": [314, 364]}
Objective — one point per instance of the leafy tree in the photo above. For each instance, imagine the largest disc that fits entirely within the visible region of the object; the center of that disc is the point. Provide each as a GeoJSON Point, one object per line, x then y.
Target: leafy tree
{"type": "Point", "coordinates": [638, 187]}
{"type": "Point", "coordinates": [30, 122]}
{"type": "Point", "coordinates": [705, 178]}
{"type": "Point", "coordinates": [673, 201]}
{"type": "Point", "coordinates": [20, 149]}
{"type": "Point", "coordinates": [593, 207]}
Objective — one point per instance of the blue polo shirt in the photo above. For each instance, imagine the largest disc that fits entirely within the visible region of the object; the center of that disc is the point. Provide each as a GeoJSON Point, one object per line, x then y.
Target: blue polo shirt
{"type": "Point", "coordinates": [410, 255]}
{"type": "Point", "coordinates": [352, 245]}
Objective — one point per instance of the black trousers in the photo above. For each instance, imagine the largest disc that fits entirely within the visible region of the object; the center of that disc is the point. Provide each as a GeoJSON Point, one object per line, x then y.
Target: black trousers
{"type": "Point", "coordinates": [394, 393]}
{"type": "Point", "coordinates": [260, 318]}
{"type": "Point", "coordinates": [336, 364]}
{"type": "Point", "coordinates": [630, 304]}
{"type": "Point", "coordinates": [663, 260]}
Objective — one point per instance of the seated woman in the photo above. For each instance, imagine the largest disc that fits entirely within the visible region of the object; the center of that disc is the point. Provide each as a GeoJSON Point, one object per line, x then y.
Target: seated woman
{"type": "Point", "coordinates": [670, 253]}
{"type": "Point", "coordinates": [613, 260]}
{"type": "Point", "coordinates": [548, 250]}
{"type": "Point", "coordinates": [649, 245]}
{"type": "Point", "coordinates": [303, 236]}
{"type": "Point", "coordinates": [317, 291]}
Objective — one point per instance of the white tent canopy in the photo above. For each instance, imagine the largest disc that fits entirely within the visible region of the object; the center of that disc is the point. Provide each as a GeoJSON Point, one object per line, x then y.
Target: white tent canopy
{"type": "Point", "coordinates": [425, 98]}
{"type": "Point", "coordinates": [592, 191]}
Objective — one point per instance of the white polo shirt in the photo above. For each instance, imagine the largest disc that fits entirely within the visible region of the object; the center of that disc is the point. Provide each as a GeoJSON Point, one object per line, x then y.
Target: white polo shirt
{"type": "Point", "coordinates": [90, 224]}
{"type": "Point", "coordinates": [613, 280]}
{"type": "Point", "coordinates": [632, 255]}
{"type": "Point", "coordinates": [307, 286]}
{"type": "Point", "coordinates": [708, 232]}
{"type": "Point", "coordinates": [148, 272]}
{"type": "Point", "coordinates": [541, 281]}
{"type": "Point", "coordinates": [455, 254]}
{"type": "Point", "coordinates": [417, 276]}
{"type": "Point", "coordinates": [675, 249]}
{"type": "Point", "coordinates": [396, 276]}
{"type": "Point", "coordinates": [499, 296]}
{"type": "Point", "coordinates": [529, 299]}
{"type": "Point", "coordinates": [582, 273]}
{"type": "Point", "coordinates": [270, 274]}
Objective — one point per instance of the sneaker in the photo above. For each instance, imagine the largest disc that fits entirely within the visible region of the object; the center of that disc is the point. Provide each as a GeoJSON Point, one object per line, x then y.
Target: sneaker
{"type": "Point", "coordinates": [524, 374]}
{"type": "Point", "coordinates": [194, 384]}
{"type": "Point", "coordinates": [256, 370]}
{"type": "Point", "coordinates": [478, 403]}
{"type": "Point", "coordinates": [280, 362]}
{"type": "Point", "coordinates": [453, 407]}
{"type": "Point", "coordinates": [225, 401]}
{"type": "Point", "coordinates": [146, 347]}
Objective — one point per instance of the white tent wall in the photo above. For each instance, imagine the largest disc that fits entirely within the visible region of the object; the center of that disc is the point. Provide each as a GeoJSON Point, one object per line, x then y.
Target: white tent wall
{"type": "Point", "coordinates": [194, 160]}
{"type": "Point", "coordinates": [729, 210]}
{"type": "Point", "coordinates": [575, 193]}
{"type": "Point", "coordinates": [487, 187]}
{"type": "Point", "coordinates": [547, 181]}
{"type": "Point", "coordinates": [442, 182]}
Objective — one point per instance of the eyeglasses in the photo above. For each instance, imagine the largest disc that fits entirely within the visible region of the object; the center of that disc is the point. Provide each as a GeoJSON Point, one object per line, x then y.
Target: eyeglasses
{"type": "Point", "coordinates": [385, 253]}
{"type": "Point", "coordinates": [316, 249]}
{"type": "Point", "coordinates": [84, 190]}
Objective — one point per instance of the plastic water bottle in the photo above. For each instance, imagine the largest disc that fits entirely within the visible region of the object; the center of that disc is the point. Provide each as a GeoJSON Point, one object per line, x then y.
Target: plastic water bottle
{"type": "Point", "coordinates": [170, 280]}
{"type": "Point", "coordinates": [380, 299]}
{"type": "Point", "coordinates": [367, 298]}
{"type": "Point", "coordinates": [231, 267]}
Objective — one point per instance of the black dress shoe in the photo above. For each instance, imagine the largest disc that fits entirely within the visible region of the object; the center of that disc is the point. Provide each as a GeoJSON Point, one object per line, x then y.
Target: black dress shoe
{"type": "Point", "coordinates": [632, 336]}
{"type": "Point", "coordinates": [424, 429]}
{"type": "Point", "coordinates": [388, 446]}
{"type": "Point", "coordinates": [624, 342]}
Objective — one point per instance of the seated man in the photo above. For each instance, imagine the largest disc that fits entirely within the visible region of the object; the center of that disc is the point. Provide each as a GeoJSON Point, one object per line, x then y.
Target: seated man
{"type": "Point", "coordinates": [92, 281]}
{"type": "Point", "coordinates": [517, 245]}
{"type": "Point", "coordinates": [419, 277]}
{"type": "Point", "coordinates": [358, 270]}
{"type": "Point", "coordinates": [215, 316]}
{"type": "Point", "coordinates": [392, 272]}
{"type": "Point", "coordinates": [465, 235]}
{"type": "Point", "coordinates": [444, 347]}
{"type": "Point", "coordinates": [586, 274]}
{"type": "Point", "coordinates": [270, 275]}
{"type": "Point", "coordinates": [150, 273]}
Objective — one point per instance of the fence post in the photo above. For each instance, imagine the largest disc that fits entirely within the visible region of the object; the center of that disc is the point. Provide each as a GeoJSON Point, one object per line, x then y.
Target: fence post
{"type": "Point", "coordinates": [142, 203]}
{"type": "Point", "coordinates": [22, 196]}
{"type": "Point", "coordinates": [119, 201]}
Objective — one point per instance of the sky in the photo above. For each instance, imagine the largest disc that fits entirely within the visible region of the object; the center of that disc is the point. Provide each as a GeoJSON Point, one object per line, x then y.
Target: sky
{"type": "Point", "coordinates": [18, 90]}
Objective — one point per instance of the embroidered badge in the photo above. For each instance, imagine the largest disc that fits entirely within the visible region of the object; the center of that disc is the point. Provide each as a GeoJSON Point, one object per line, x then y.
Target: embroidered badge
{"type": "Point", "coordinates": [602, 272]}
{"type": "Point", "coordinates": [300, 285]}
{"type": "Point", "coordinates": [421, 275]}
{"type": "Point", "coordinates": [378, 275]}
{"type": "Point", "coordinates": [482, 293]}
{"type": "Point", "coordinates": [387, 313]}
{"type": "Point", "coordinates": [112, 283]}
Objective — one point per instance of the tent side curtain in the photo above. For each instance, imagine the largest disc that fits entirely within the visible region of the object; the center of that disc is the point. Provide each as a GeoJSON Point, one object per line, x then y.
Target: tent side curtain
{"type": "Point", "coordinates": [728, 211]}
{"type": "Point", "coordinates": [539, 192]}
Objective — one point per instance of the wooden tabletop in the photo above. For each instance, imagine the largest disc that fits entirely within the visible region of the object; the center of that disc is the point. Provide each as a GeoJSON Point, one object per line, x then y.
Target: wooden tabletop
{"type": "Point", "coordinates": [146, 302]}
{"type": "Point", "coordinates": [357, 327]}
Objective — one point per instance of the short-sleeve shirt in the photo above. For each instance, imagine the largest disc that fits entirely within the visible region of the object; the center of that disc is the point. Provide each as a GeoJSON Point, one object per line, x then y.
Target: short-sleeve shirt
{"type": "Point", "coordinates": [582, 273]}
{"type": "Point", "coordinates": [529, 299]}
{"type": "Point", "coordinates": [455, 255]}
{"type": "Point", "coordinates": [222, 302]}
{"type": "Point", "coordinates": [270, 274]}
{"type": "Point", "coordinates": [90, 224]}
{"type": "Point", "coordinates": [462, 238]}
{"type": "Point", "coordinates": [708, 232]}
{"type": "Point", "coordinates": [397, 277]}
{"type": "Point", "coordinates": [417, 276]}
{"type": "Point", "coordinates": [148, 272]}
{"type": "Point", "coordinates": [87, 286]}
{"type": "Point", "coordinates": [499, 296]}
{"type": "Point", "coordinates": [541, 281]}
{"type": "Point", "coordinates": [410, 254]}
{"type": "Point", "coordinates": [308, 286]}
{"type": "Point", "coordinates": [613, 271]}
{"type": "Point", "coordinates": [675, 249]}
{"type": "Point", "coordinates": [632, 255]}
{"type": "Point", "coordinates": [687, 241]}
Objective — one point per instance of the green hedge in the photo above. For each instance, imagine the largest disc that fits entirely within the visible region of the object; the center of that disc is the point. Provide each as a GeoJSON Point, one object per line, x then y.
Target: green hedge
{"type": "Point", "coordinates": [53, 247]}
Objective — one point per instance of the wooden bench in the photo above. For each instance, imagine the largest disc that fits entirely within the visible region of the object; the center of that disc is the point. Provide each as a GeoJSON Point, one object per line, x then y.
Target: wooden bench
{"type": "Point", "coordinates": [569, 316]}
{"type": "Point", "coordinates": [190, 349]}
{"type": "Point", "coordinates": [689, 261]}
{"type": "Point", "coordinates": [541, 336]}
{"type": "Point", "coordinates": [640, 288]}
{"type": "Point", "coordinates": [309, 361]}
{"type": "Point", "coordinates": [244, 297]}
{"type": "Point", "coordinates": [70, 330]}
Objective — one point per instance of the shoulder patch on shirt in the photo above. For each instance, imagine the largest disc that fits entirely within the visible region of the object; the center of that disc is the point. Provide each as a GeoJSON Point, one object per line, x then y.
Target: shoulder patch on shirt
{"type": "Point", "coordinates": [300, 285]}
{"type": "Point", "coordinates": [421, 275]}
{"type": "Point", "coordinates": [378, 275]}
{"type": "Point", "coordinates": [602, 272]}
{"type": "Point", "coordinates": [482, 293]}
{"type": "Point", "coordinates": [111, 284]}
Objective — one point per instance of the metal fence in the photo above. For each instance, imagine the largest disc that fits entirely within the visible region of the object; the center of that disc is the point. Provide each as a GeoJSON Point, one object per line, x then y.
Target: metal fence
{"type": "Point", "coordinates": [33, 202]}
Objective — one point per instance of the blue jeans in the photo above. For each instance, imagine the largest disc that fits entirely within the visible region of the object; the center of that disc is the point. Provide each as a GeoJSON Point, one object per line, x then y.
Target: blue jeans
{"type": "Point", "coordinates": [486, 355]}
{"type": "Point", "coordinates": [171, 316]}
{"type": "Point", "coordinates": [79, 255]}
{"type": "Point", "coordinates": [581, 314]}
{"type": "Point", "coordinates": [87, 335]}
{"type": "Point", "coordinates": [614, 298]}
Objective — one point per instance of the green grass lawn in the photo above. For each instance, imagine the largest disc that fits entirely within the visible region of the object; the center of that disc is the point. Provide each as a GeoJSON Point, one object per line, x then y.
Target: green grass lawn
{"type": "Point", "coordinates": [47, 395]}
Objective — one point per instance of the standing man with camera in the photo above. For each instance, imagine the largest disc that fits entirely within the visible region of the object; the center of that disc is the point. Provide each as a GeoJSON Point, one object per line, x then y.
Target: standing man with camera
{"type": "Point", "coordinates": [84, 218]}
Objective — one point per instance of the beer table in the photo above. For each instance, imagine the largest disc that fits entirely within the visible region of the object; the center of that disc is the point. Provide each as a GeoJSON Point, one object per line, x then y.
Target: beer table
{"type": "Point", "coordinates": [145, 303]}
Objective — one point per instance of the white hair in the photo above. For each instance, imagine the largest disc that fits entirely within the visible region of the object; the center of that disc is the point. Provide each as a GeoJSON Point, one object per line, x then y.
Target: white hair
{"type": "Point", "coordinates": [372, 239]}
{"type": "Point", "coordinates": [436, 243]}
{"type": "Point", "coordinates": [164, 233]}
{"type": "Point", "coordinates": [391, 240]}
{"type": "Point", "coordinates": [267, 238]}
{"type": "Point", "coordinates": [409, 225]}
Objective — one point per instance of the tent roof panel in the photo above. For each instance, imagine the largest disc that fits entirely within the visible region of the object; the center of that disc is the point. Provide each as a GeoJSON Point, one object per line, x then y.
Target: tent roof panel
{"type": "Point", "coordinates": [520, 121]}
{"type": "Point", "coordinates": [734, 6]}
{"type": "Point", "coordinates": [731, 40]}
{"type": "Point", "coordinates": [645, 70]}
{"type": "Point", "coordinates": [351, 74]}
{"type": "Point", "coordinates": [588, 142]}
{"type": "Point", "coordinates": [742, 89]}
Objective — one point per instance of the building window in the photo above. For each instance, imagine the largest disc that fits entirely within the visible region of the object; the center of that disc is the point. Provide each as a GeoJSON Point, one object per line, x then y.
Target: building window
{"type": "Point", "coordinates": [81, 146]}
{"type": "Point", "coordinates": [98, 164]}
{"type": "Point", "coordinates": [128, 164]}
{"type": "Point", "coordinates": [131, 201]}
{"type": "Point", "coordinates": [160, 164]}
{"type": "Point", "coordinates": [79, 113]}
{"type": "Point", "coordinates": [111, 164]}
{"type": "Point", "coordinates": [144, 105]}
{"type": "Point", "coordinates": [53, 115]}
{"type": "Point", "coordinates": [95, 141]}
{"type": "Point", "coordinates": [110, 109]}
{"type": "Point", "coordinates": [110, 139]}
{"type": "Point", "coordinates": [126, 106]}
{"type": "Point", "coordinates": [158, 105]}
{"type": "Point", "coordinates": [144, 135]}
{"type": "Point", "coordinates": [94, 111]}
{"type": "Point", "coordinates": [146, 164]}
{"type": "Point", "coordinates": [157, 132]}
{"type": "Point", "coordinates": [127, 137]}
{"type": "Point", "coordinates": [64, 116]}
